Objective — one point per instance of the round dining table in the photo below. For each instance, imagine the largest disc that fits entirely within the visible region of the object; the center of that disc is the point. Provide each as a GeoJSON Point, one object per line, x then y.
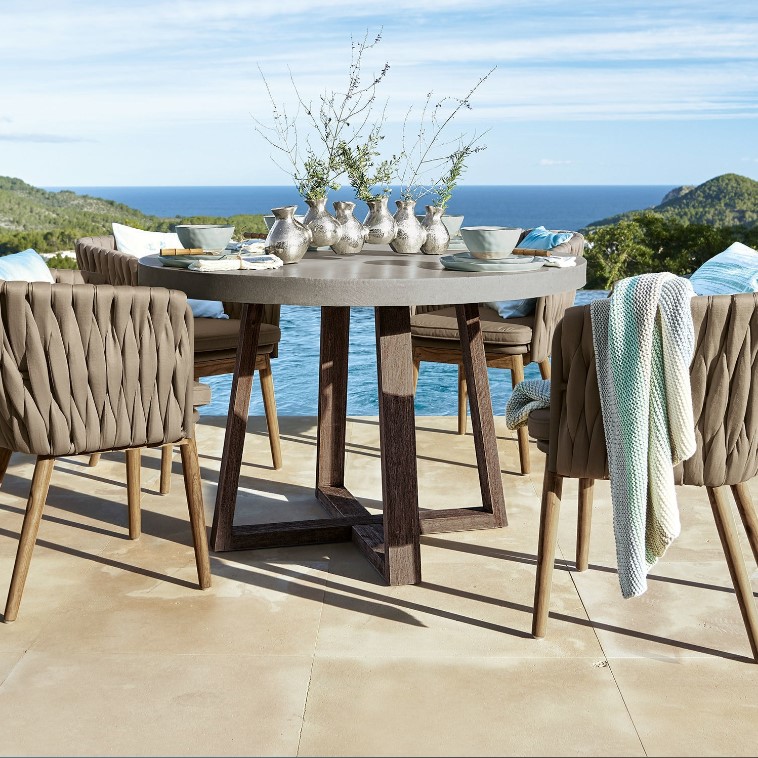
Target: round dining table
{"type": "Point", "coordinates": [392, 284]}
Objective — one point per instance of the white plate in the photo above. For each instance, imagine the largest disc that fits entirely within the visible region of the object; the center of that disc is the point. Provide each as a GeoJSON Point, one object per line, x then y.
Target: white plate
{"type": "Point", "coordinates": [509, 260]}
{"type": "Point", "coordinates": [464, 262]}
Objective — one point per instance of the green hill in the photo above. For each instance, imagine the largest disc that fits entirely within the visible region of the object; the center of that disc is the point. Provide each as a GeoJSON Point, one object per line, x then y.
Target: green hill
{"type": "Point", "coordinates": [727, 200]}
{"type": "Point", "coordinates": [52, 221]}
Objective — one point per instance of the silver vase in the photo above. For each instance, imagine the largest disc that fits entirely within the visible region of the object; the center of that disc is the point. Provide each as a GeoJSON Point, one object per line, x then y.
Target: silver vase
{"type": "Point", "coordinates": [410, 235]}
{"type": "Point", "coordinates": [287, 239]}
{"type": "Point", "coordinates": [352, 232]}
{"type": "Point", "coordinates": [379, 222]}
{"type": "Point", "coordinates": [324, 227]}
{"type": "Point", "coordinates": [437, 235]}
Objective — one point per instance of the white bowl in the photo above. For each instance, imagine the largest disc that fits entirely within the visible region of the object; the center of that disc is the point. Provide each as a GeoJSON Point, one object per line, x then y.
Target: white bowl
{"type": "Point", "coordinates": [490, 242]}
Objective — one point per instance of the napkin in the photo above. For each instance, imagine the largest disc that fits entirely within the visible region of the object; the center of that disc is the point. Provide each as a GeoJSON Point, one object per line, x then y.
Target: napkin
{"type": "Point", "coordinates": [238, 262]}
{"type": "Point", "coordinates": [559, 261]}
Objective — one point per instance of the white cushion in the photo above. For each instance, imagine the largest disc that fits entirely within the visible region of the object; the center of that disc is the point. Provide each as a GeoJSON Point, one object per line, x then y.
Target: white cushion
{"type": "Point", "coordinates": [139, 243]}
{"type": "Point", "coordinates": [26, 266]}
{"type": "Point", "coordinates": [733, 271]}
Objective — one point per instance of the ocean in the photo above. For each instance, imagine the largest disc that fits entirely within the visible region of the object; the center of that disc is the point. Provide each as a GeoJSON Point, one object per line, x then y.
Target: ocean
{"type": "Point", "coordinates": [296, 369]}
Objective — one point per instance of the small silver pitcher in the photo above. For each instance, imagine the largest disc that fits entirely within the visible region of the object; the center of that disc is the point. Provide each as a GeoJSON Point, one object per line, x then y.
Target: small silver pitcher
{"type": "Point", "coordinates": [437, 235]}
{"type": "Point", "coordinates": [379, 222]}
{"type": "Point", "coordinates": [410, 234]}
{"type": "Point", "coordinates": [324, 227]}
{"type": "Point", "coordinates": [287, 239]}
{"type": "Point", "coordinates": [352, 232]}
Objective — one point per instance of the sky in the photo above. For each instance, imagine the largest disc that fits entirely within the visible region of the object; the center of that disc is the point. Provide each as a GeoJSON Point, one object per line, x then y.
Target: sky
{"type": "Point", "coordinates": [112, 92]}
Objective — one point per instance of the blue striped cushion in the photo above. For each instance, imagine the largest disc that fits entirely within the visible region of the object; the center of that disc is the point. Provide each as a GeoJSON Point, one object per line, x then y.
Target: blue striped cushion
{"type": "Point", "coordinates": [735, 270]}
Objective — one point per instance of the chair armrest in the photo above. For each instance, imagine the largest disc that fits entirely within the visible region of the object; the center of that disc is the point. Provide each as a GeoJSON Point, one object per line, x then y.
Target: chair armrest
{"type": "Point", "coordinates": [87, 368]}
{"type": "Point", "coordinates": [101, 263]}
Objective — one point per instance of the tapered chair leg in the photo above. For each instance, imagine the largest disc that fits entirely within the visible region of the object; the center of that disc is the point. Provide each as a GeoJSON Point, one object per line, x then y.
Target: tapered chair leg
{"type": "Point", "coordinates": [134, 491]}
{"type": "Point", "coordinates": [748, 515]}
{"type": "Point", "coordinates": [544, 365]}
{"type": "Point", "coordinates": [550, 508]}
{"type": "Point", "coordinates": [194, 489]}
{"type": "Point", "coordinates": [517, 375]}
{"type": "Point", "coordinates": [584, 523]}
{"type": "Point", "coordinates": [269, 405]}
{"type": "Point", "coordinates": [5, 459]}
{"type": "Point", "coordinates": [40, 485]}
{"type": "Point", "coordinates": [167, 453]}
{"type": "Point", "coordinates": [462, 400]}
{"type": "Point", "coordinates": [722, 514]}
{"type": "Point", "coordinates": [94, 459]}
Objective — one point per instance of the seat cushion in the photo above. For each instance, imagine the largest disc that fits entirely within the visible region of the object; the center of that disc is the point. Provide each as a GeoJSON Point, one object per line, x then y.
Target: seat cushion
{"type": "Point", "coordinates": [201, 394]}
{"type": "Point", "coordinates": [512, 335]}
{"type": "Point", "coordinates": [213, 334]}
{"type": "Point", "coordinates": [539, 424]}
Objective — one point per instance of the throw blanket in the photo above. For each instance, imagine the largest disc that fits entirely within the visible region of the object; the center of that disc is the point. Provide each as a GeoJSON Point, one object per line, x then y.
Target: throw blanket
{"type": "Point", "coordinates": [644, 341]}
{"type": "Point", "coordinates": [527, 397]}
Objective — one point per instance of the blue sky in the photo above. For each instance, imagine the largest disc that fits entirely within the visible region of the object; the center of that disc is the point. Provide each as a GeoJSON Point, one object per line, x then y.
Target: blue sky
{"type": "Point", "coordinates": [163, 93]}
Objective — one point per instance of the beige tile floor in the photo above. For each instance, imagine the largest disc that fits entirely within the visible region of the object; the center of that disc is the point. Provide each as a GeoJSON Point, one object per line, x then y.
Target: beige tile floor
{"type": "Point", "coordinates": [305, 651]}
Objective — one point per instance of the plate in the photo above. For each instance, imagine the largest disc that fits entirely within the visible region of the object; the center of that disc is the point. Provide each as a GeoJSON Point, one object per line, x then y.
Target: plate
{"type": "Point", "coordinates": [457, 244]}
{"type": "Point", "coordinates": [464, 262]}
{"type": "Point", "coordinates": [510, 260]}
{"type": "Point", "coordinates": [183, 261]}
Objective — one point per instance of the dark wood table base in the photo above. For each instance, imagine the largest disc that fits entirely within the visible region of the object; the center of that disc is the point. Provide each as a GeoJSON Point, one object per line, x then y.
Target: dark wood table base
{"type": "Point", "coordinates": [390, 541]}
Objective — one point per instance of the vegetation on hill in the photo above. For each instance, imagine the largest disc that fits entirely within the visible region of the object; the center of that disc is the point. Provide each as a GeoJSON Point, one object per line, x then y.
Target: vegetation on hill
{"type": "Point", "coordinates": [652, 242]}
{"type": "Point", "coordinates": [726, 200]}
{"type": "Point", "coordinates": [52, 221]}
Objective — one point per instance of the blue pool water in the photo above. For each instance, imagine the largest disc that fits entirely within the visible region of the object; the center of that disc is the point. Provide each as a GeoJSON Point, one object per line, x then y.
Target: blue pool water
{"type": "Point", "coordinates": [296, 368]}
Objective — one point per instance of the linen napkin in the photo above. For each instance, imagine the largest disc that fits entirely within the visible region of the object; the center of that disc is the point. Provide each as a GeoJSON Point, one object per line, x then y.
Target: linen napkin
{"type": "Point", "coordinates": [560, 261]}
{"type": "Point", "coordinates": [238, 262]}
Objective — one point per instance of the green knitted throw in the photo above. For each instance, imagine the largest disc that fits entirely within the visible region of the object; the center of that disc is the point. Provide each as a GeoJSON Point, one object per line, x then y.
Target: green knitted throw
{"type": "Point", "coordinates": [644, 342]}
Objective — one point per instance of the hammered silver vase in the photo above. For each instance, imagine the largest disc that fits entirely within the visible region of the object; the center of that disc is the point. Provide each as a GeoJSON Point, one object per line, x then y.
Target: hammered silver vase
{"type": "Point", "coordinates": [287, 239]}
{"type": "Point", "coordinates": [379, 222]}
{"type": "Point", "coordinates": [352, 232]}
{"type": "Point", "coordinates": [437, 235]}
{"type": "Point", "coordinates": [410, 235]}
{"type": "Point", "coordinates": [324, 227]}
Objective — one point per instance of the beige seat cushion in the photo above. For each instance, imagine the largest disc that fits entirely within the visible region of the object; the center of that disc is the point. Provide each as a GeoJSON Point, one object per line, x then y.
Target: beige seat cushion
{"type": "Point", "coordinates": [214, 334]}
{"type": "Point", "coordinates": [539, 424]}
{"type": "Point", "coordinates": [508, 336]}
{"type": "Point", "coordinates": [201, 394]}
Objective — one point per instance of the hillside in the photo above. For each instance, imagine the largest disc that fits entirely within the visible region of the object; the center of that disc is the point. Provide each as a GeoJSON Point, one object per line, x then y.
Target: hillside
{"type": "Point", "coordinates": [727, 200]}
{"type": "Point", "coordinates": [52, 221]}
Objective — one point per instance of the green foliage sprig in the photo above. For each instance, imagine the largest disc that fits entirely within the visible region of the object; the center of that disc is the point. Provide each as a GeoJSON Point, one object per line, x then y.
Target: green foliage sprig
{"type": "Point", "coordinates": [364, 171]}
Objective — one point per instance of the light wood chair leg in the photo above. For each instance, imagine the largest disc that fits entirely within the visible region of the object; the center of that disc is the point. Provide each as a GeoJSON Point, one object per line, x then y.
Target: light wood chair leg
{"type": "Point", "coordinates": [544, 365]}
{"type": "Point", "coordinates": [5, 459]}
{"type": "Point", "coordinates": [748, 515]}
{"type": "Point", "coordinates": [134, 491]}
{"type": "Point", "coordinates": [462, 398]}
{"type": "Point", "coordinates": [43, 470]}
{"type": "Point", "coordinates": [550, 509]}
{"type": "Point", "coordinates": [584, 523]}
{"type": "Point", "coordinates": [269, 405]}
{"type": "Point", "coordinates": [727, 530]}
{"type": "Point", "coordinates": [416, 371]}
{"type": "Point", "coordinates": [167, 454]}
{"type": "Point", "coordinates": [517, 375]}
{"type": "Point", "coordinates": [194, 489]}
{"type": "Point", "coordinates": [94, 459]}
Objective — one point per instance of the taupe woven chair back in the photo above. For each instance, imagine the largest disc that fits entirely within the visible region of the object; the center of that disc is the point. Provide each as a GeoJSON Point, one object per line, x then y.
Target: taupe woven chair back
{"type": "Point", "coordinates": [85, 368]}
{"type": "Point", "coordinates": [724, 377]}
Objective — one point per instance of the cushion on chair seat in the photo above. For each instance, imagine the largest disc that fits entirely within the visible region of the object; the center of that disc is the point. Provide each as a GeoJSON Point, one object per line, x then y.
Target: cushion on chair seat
{"type": "Point", "coordinates": [201, 394]}
{"type": "Point", "coordinates": [539, 424]}
{"type": "Point", "coordinates": [510, 336]}
{"type": "Point", "coordinates": [212, 334]}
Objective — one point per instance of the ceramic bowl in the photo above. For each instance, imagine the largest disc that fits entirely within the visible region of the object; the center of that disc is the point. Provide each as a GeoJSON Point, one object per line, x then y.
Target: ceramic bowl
{"type": "Point", "coordinates": [490, 242]}
{"type": "Point", "coordinates": [212, 237]}
{"type": "Point", "coordinates": [269, 219]}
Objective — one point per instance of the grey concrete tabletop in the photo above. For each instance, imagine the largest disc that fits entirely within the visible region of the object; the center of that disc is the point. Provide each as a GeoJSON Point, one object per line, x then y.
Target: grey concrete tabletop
{"type": "Point", "coordinates": [374, 277]}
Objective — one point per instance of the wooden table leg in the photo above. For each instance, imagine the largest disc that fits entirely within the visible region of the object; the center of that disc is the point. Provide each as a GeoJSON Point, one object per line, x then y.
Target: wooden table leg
{"type": "Point", "coordinates": [480, 405]}
{"type": "Point", "coordinates": [397, 440]}
{"type": "Point", "coordinates": [236, 426]}
{"type": "Point", "coordinates": [332, 408]}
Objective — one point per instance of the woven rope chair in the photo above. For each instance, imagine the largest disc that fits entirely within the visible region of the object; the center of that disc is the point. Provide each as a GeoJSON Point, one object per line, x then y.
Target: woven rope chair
{"type": "Point", "coordinates": [215, 339]}
{"type": "Point", "coordinates": [724, 378]}
{"type": "Point", "coordinates": [509, 344]}
{"type": "Point", "coordinates": [88, 369]}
